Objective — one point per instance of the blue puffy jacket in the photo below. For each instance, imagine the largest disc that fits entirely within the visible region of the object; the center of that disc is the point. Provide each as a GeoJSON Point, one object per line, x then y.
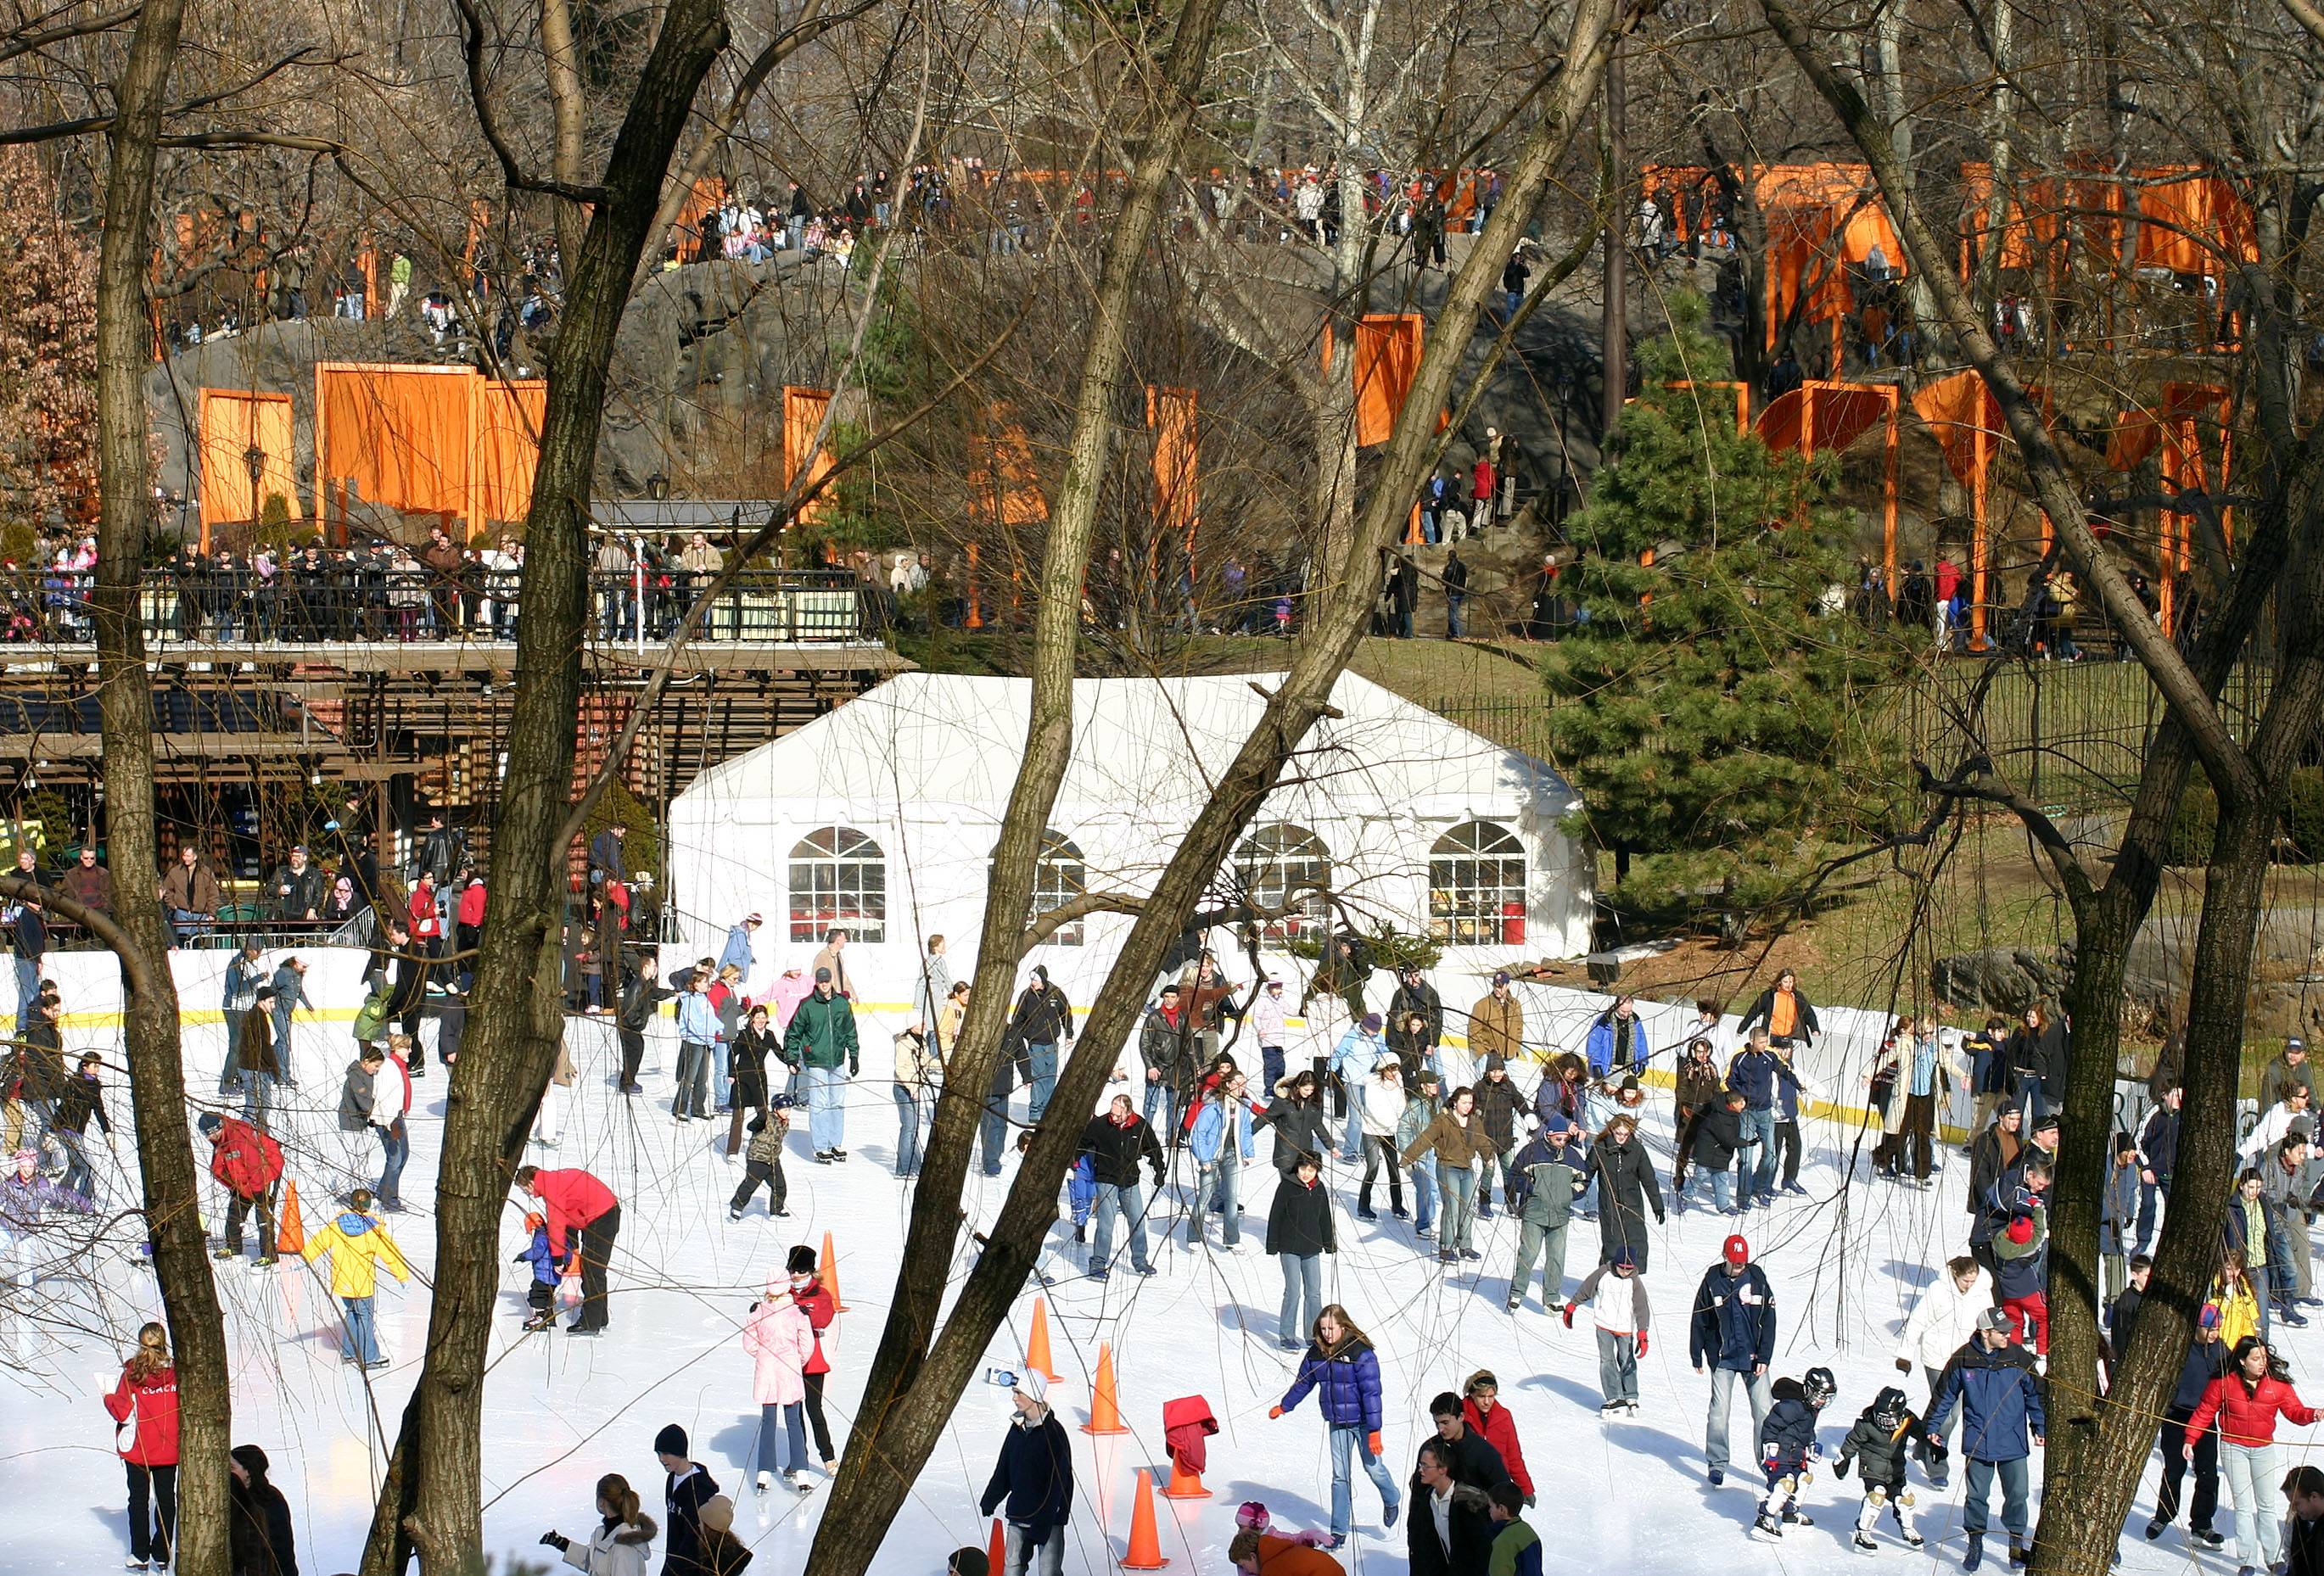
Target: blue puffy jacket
{"type": "Point", "coordinates": [1209, 1136]}
{"type": "Point", "coordinates": [1350, 1378]}
{"type": "Point", "coordinates": [1600, 1047]}
{"type": "Point", "coordinates": [536, 1254]}
{"type": "Point", "coordinates": [1999, 1401]}
{"type": "Point", "coordinates": [1787, 1436]}
{"type": "Point", "coordinates": [1734, 1323]}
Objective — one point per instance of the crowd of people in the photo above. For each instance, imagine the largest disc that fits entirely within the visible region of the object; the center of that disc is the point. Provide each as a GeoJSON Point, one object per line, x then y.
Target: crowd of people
{"type": "Point", "coordinates": [1217, 1067]}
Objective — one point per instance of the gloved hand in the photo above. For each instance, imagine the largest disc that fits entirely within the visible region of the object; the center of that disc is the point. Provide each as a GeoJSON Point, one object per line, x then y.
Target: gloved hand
{"type": "Point", "coordinates": [854, 1068]}
{"type": "Point", "coordinates": [1373, 1444]}
{"type": "Point", "coordinates": [558, 1541]}
{"type": "Point", "coordinates": [1642, 1344]}
{"type": "Point", "coordinates": [1903, 1365]}
{"type": "Point", "coordinates": [1840, 1467]}
{"type": "Point", "coordinates": [1567, 1314]}
{"type": "Point", "coordinates": [1274, 1412]}
{"type": "Point", "coordinates": [1815, 1452]}
{"type": "Point", "coordinates": [1528, 1502]}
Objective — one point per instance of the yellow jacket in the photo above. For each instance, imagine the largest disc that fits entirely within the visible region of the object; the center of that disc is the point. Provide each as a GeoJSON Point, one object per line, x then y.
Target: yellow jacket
{"type": "Point", "coordinates": [1495, 1029]}
{"type": "Point", "coordinates": [359, 1247]}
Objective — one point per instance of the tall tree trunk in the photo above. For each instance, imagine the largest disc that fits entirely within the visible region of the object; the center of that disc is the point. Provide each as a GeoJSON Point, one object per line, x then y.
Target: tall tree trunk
{"type": "Point", "coordinates": [914, 1385]}
{"type": "Point", "coordinates": [157, 1076]}
{"type": "Point", "coordinates": [2000, 153]}
{"type": "Point", "coordinates": [435, 1499]}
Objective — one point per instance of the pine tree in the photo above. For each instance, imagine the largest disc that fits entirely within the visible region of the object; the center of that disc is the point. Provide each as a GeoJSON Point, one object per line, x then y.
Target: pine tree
{"type": "Point", "coordinates": [47, 355]}
{"type": "Point", "coordinates": [1712, 705]}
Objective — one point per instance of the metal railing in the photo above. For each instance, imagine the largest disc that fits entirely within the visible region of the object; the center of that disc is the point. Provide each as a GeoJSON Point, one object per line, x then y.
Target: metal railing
{"type": "Point", "coordinates": [346, 600]}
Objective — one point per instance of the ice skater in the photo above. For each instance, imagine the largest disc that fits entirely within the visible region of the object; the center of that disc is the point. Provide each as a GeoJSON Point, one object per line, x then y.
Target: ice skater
{"type": "Point", "coordinates": [1880, 1442]}
{"type": "Point", "coordinates": [1787, 1443]}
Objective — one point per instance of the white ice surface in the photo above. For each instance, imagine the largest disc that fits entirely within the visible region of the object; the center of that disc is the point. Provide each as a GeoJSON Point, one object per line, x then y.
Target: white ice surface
{"type": "Point", "coordinates": [561, 1411]}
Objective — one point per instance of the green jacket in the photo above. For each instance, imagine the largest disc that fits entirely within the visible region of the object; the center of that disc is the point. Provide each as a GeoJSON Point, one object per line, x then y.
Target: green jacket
{"type": "Point", "coordinates": [822, 1034]}
{"type": "Point", "coordinates": [371, 1017]}
{"type": "Point", "coordinates": [1516, 1548]}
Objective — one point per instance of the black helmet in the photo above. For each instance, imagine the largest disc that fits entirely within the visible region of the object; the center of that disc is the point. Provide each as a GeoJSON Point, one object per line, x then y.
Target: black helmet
{"type": "Point", "coordinates": [1819, 1385]}
{"type": "Point", "coordinates": [1888, 1409]}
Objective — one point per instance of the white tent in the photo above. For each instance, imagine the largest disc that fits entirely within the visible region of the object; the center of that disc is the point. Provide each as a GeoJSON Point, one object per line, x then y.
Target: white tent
{"type": "Point", "coordinates": [879, 819]}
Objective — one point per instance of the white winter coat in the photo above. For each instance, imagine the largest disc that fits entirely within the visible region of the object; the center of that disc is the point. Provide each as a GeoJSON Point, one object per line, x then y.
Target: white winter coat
{"type": "Point", "coordinates": [1265, 1020]}
{"type": "Point", "coordinates": [1380, 1106]}
{"type": "Point", "coordinates": [619, 1551]}
{"type": "Point", "coordinates": [780, 1338]}
{"type": "Point", "coordinates": [1943, 1320]}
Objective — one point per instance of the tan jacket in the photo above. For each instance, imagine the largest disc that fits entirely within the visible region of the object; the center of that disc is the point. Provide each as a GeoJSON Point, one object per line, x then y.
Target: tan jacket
{"type": "Point", "coordinates": [1496, 1027]}
{"type": "Point", "coordinates": [1456, 1145]}
{"type": "Point", "coordinates": [195, 891]}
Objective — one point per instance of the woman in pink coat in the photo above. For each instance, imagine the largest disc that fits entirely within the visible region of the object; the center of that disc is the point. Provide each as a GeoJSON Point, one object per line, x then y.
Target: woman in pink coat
{"type": "Point", "coordinates": [780, 1338]}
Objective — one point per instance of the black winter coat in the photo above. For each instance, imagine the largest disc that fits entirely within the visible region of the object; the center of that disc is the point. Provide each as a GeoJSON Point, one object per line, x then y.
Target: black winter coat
{"type": "Point", "coordinates": [1880, 1453]}
{"type": "Point", "coordinates": [1423, 999]}
{"type": "Point", "coordinates": [1034, 1477]}
{"type": "Point", "coordinates": [1498, 1105]}
{"type": "Point", "coordinates": [1789, 1425]}
{"type": "Point", "coordinates": [1299, 1222]}
{"type": "Point", "coordinates": [1301, 1128]}
{"type": "Point", "coordinates": [1115, 1151]}
{"type": "Point", "coordinates": [1043, 1018]}
{"type": "Point", "coordinates": [1717, 1138]}
{"type": "Point", "coordinates": [750, 1050]}
{"type": "Point", "coordinates": [682, 1501]}
{"type": "Point", "coordinates": [1471, 1523]}
{"type": "Point", "coordinates": [260, 1541]}
{"type": "Point", "coordinates": [1625, 1189]}
{"type": "Point", "coordinates": [2037, 1056]}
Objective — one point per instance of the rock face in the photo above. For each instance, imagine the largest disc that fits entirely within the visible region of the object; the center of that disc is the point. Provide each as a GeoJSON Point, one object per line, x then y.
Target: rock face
{"type": "Point", "coordinates": [2001, 979]}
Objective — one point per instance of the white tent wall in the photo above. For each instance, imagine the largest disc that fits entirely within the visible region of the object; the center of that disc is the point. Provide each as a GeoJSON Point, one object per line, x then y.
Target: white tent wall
{"type": "Point", "coordinates": [923, 764]}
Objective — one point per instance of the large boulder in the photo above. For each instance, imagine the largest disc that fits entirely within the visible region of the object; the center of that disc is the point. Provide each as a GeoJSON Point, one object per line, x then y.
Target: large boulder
{"type": "Point", "coordinates": [2001, 979]}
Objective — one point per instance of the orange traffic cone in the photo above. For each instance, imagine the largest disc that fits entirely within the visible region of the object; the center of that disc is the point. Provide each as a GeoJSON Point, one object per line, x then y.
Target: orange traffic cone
{"type": "Point", "coordinates": [1184, 1484]}
{"type": "Point", "coordinates": [1145, 1543]}
{"type": "Point", "coordinates": [1036, 1345]}
{"type": "Point", "coordinates": [289, 1231]}
{"type": "Point", "coordinates": [828, 1272]}
{"type": "Point", "coordinates": [1105, 1407]}
{"type": "Point", "coordinates": [996, 1552]}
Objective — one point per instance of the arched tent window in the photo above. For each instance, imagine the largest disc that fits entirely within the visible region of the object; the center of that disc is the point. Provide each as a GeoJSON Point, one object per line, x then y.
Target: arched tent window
{"type": "Point", "coordinates": [839, 879]}
{"type": "Point", "coordinates": [1058, 879]}
{"type": "Point", "coordinates": [1281, 863]}
{"type": "Point", "coordinates": [1477, 885]}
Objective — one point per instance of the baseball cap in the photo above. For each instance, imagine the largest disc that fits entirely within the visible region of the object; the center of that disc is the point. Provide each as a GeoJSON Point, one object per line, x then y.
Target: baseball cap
{"type": "Point", "coordinates": [2294, 1043]}
{"type": "Point", "coordinates": [1501, 976]}
{"type": "Point", "coordinates": [1738, 1250]}
{"type": "Point", "coordinates": [1998, 1319]}
{"type": "Point", "coordinates": [2209, 1319]}
{"type": "Point", "coordinates": [823, 976]}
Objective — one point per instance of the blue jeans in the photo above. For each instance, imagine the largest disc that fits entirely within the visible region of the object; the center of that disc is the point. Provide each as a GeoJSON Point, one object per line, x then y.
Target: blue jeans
{"type": "Point", "coordinates": [691, 1097]}
{"type": "Point", "coordinates": [1760, 1178]}
{"type": "Point", "coordinates": [993, 1129]}
{"type": "Point", "coordinates": [1423, 1203]}
{"type": "Point", "coordinates": [1452, 627]}
{"type": "Point", "coordinates": [231, 1072]}
{"type": "Point", "coordinates": [826, 1118]}
{"type": "Point", "coordinates": [1348, 1443]}
{"type": "Point", "coordinates": [28, 989]}
{"type": "Point", "coordinates": [1722, 1186]}
{"type": "Point", "coordinates": [1353, 1150]}
{"type": "Point", "coordinates": [1130, 1198]}
{"type": "Point", "coordinates": [1980, 1476]}
{"type": "Point", "coordinates": [1044, 1059]}
{"type": "Point", "coordinates": [1270, 1062]}
{"type": "Point", "coordinates": [1460, 1184]}
{"type": "Point", "coordinates": [908, 1132]}
{"type": "Point", "coordinates": [1219, 1183]}
{"type": "Point", "coordinates": [2029, 1095]}
{"type": "Point", "coordinates": [363, 1329]}
{"type": "Point", "coordinates": [1301, 1273]}
{"type": "Point", "coordinates": [282, 1043]}
{"type": "Point", "coordinates": [1722, 1396]}
{"type": "Point", "coordinates": [1161, 1096]}
{"type": "Point", "coordinates": [257, 1097]}
{"type": "Point", "coordinates": [395, 1148]}
{"type": "Point", "coordinates": [77, 1178]}
{"type": "Point", "coordinates": [793, 1417]}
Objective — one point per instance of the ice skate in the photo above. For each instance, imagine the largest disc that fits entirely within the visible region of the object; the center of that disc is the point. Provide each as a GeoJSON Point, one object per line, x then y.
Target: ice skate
{"type": "Point", "coordinates": [803, 1481]}
{"type": "Point", "coordinates": [1767, 1529]}
{"type": "Point", "coordinates": [1863, 1541]}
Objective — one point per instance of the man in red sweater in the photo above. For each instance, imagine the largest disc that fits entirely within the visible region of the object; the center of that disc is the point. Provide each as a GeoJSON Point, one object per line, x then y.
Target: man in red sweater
{"type": "Point", "coordinates": [249, 1165]}
{"type": "Point", "coordinates": [576, 1203]}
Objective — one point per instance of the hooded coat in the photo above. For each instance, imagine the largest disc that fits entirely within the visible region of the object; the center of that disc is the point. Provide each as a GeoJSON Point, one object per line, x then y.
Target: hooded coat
{"type": "Point", "coordinates": [260, 1538]}
{"type": "Point", "coordinates": [615, 1548]}
{"type": "Point", "coordinates": [359, 1248]}
{"type": "Point", "coordinates": [780, 1340]}
{"type": "Point", "coordinates": [1346, 1380]}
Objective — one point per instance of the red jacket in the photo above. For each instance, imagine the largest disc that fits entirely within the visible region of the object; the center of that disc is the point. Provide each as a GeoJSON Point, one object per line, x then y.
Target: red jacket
{"type": "Point", "coordinates": [1499, 1430]}
{"type": "Point", "coordinates": [821, 1310]}
{"type": "Point", "coordinates": [571, 1200]}
{"type": "Point", "coordinates": [245, 1159]}
{"type": "Point", "coordinates": [427, 923]}
{"type": "Point", "coordinates": [472, 904]}
{"type": "Point", "coordinates": [1481, 480]}
{"type": "Point", "coordinates": [2246, 1416]}
{"type": "Point", "coordinates": [154, 1399]}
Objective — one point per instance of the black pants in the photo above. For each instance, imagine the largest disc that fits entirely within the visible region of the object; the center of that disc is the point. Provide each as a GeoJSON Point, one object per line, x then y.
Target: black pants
{"type": "Point", "coordinates": [1787, 1137]}
{"type": "Point", "coordinates": [755, 1172]}
{"type": "Point", "coordinates": [815, 1417]}
{"type": "Point", "coordinates": [2175, 1471]}
{"type": "Point", "coordinates": [597, 1253]}
{"type": "Point", "coordinates": [633, 1051]}
{"type": "Point", "coordinates": [1378, 1152]}
{"type": "Point", "coordinates": [239, 1209]}
{"type": "Point", "coordinates": [153, 1511]}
